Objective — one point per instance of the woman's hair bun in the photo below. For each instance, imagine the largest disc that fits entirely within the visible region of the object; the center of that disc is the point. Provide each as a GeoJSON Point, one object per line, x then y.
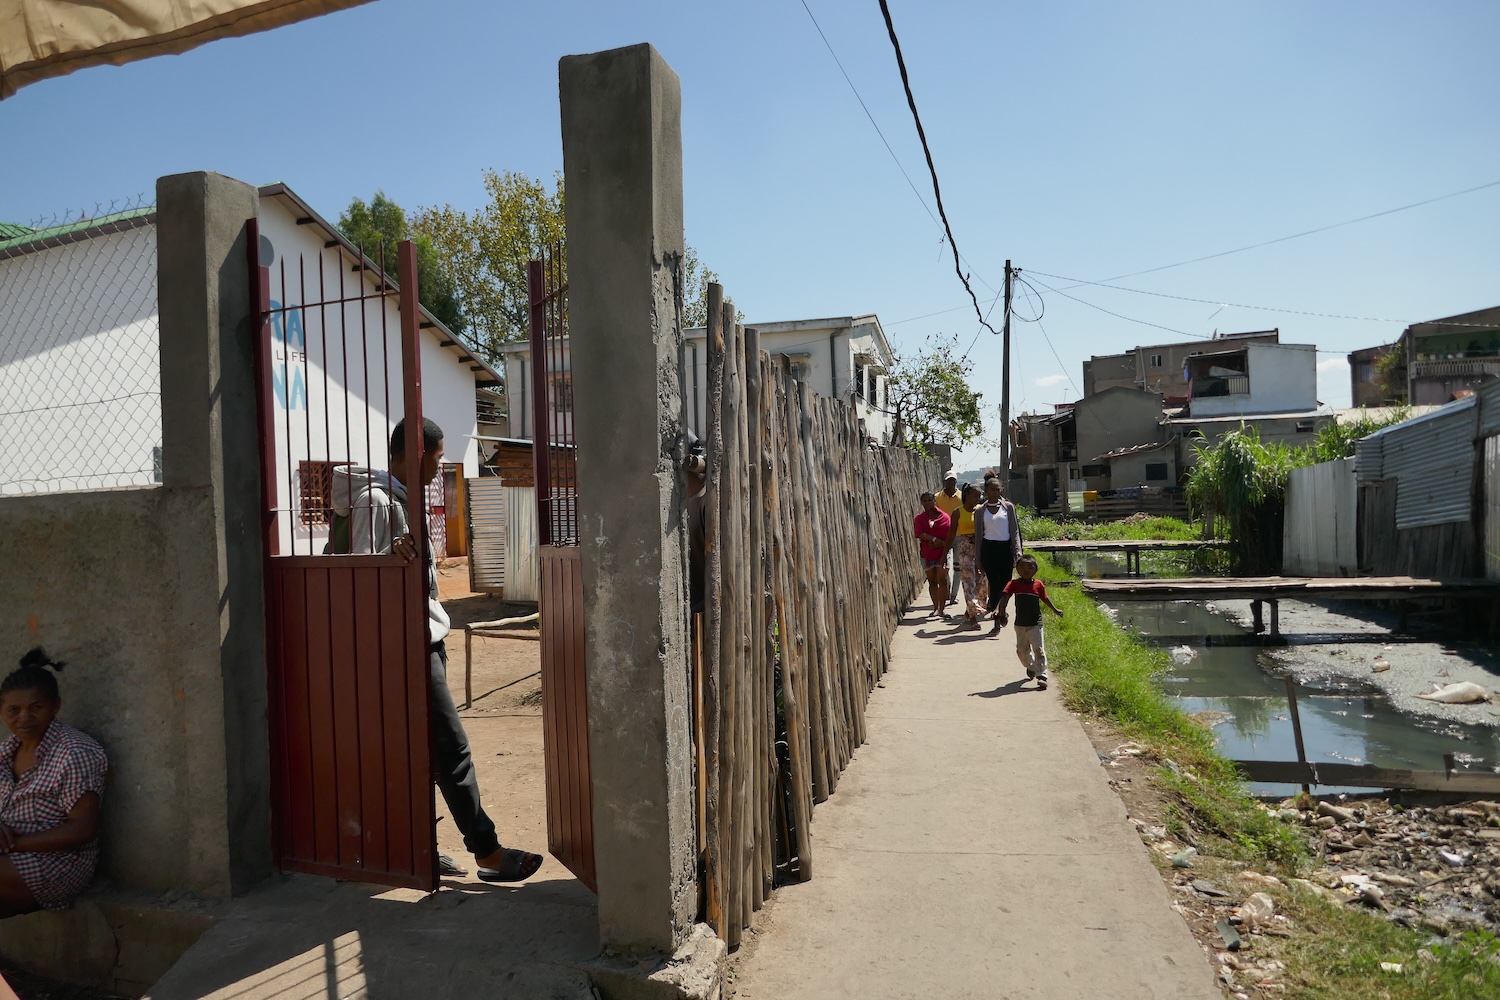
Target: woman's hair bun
{"type": "Point", "coordinates": [38, 657]}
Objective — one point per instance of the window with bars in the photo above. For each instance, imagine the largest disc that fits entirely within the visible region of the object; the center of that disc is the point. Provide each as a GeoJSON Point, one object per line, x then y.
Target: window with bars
{"type": "Point", "coordinates": [859, 380]}
{"type": "Point", "coordinates": [315, 493]}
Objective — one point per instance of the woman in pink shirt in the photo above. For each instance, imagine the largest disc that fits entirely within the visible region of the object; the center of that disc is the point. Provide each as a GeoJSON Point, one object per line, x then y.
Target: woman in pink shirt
{"type": "Point", "coordinates": [51, 785]}
{"type": "Point", "coordinates": [931, 527]}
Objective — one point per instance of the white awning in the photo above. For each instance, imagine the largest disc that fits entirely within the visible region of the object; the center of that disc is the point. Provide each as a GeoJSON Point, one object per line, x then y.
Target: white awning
{"type": "Point", "coordinates": [47, 38]}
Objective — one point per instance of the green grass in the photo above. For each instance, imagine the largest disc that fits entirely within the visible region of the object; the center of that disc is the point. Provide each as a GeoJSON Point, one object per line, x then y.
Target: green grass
{"type": "Point", "coordinates": [1037, 527]}
{"type": "Point", "coordinates": [1106, 672]}
{"type": "Point", "coordinates": [1335, 952]}
{"type": "Point", "coordinates": [1338, 953]}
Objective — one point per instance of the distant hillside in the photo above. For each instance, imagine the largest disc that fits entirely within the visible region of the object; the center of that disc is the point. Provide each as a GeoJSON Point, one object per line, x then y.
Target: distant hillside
{"type": "Point", "coordinates": [975, 476]}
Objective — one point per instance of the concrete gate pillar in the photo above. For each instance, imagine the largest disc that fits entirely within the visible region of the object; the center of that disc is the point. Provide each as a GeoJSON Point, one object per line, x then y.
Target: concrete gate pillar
{"type": "Point", "coordinates": [622, 159]}
{"type": "Point", "coordinates": [210, 446]}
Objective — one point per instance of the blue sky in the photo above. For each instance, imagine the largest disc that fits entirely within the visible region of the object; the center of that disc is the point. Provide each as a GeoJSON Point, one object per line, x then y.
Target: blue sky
{"type": "Point", "coordinates": [1080, 139]}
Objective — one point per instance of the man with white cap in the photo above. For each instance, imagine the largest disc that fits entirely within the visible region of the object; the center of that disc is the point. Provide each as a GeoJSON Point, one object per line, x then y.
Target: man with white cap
{"type": "Point", "coordinates": [949, 500]}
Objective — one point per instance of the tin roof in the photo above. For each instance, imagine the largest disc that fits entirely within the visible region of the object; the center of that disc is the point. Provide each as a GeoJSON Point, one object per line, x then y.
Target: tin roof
{"type": "Point", "coordinates": [16, 239]}
{"type": "Point", "coordinates": [1134, 449]}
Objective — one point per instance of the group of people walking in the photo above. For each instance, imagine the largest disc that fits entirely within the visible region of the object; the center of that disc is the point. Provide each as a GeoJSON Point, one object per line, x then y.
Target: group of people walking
{"type": "Point", "coordinates": [979, 528]}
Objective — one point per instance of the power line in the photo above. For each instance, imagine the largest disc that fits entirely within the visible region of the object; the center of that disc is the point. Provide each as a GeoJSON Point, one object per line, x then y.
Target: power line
{"type": "Point", "coordinates": [940, 312]}
{"type": "Point", "coordinates": [1128, 319]}
{"type": "Point", "coordinates": [937, 191]}
{"type": "Point", "coordinates": [1306, 232]}
{"type": "Point", "coordinates": [897, 160]}
{"type": "Point", "coordinates": [1242, 305]}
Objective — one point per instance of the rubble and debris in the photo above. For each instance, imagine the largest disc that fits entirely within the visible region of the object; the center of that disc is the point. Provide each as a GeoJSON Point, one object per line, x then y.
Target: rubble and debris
{"type": "Point", "coordinates": [1433, 867]}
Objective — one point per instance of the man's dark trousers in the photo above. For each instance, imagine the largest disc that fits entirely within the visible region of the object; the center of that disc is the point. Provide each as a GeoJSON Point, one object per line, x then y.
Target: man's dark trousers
{"type": "Point", "coordinates": [453, 765]}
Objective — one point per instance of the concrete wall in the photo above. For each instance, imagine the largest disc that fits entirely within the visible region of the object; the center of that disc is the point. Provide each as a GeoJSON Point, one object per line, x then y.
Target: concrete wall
{"type": "Point", "coordinates": [1134, 368]}
{"type": "Point", "coordinates": [1130, 470]}
{"type": "Point", "coordinates": [1283, 379]}
{"type": "Point", "coordinates": [1116, 418]}
{"type": "Point", "coordinates": [1364, 387]}
{"type": "Point", "coordinates": [873, 410]}
{"type": "Point", "coordinates": [155, 594]}
{"type": "Point", "coordinates": [826, 356]}
{"type": "Point", "coordinates": [103, 580]}
{"type": "Point", "coordinates": [1108, 371]}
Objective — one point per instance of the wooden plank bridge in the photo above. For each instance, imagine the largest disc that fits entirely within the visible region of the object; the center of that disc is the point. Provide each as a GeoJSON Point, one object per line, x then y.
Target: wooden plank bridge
{"type": "Point", "coordinates": [1272, 589]}
{"type": "Point", "coordinates": [1132, 547]}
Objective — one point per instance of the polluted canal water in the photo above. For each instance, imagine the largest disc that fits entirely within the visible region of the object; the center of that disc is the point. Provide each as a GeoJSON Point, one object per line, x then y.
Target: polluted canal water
{"type": "Point", "coordinates": [1225, 677]}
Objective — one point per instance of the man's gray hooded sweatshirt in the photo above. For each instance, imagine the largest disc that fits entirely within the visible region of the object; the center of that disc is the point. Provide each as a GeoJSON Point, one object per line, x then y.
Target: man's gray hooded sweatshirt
{"type": "Point", "coordinates": [375, 503]}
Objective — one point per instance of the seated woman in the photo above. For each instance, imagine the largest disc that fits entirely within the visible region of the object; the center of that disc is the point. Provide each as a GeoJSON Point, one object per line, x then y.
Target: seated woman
{"type": "Point", "coordinates": [51, 782]}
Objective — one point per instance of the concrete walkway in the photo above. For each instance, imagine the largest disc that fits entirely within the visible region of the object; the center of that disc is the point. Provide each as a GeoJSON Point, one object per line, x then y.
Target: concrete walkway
{"type": "Point", "coordinates": [973, 849]}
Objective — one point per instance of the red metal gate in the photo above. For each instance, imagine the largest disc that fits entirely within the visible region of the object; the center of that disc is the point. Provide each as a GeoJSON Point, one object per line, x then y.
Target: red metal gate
{"type": "Point", "coordinates": [346, 634]}
{"type": "Point", "coordinates": [565, 722]}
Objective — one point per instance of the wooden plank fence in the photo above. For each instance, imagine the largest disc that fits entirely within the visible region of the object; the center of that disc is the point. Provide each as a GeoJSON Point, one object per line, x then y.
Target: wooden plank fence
{"type": "Point", "coordinates": [809, 567]}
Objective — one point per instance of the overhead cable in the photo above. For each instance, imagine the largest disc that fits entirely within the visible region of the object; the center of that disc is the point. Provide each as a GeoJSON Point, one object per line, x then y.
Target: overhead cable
{"type": "Point", "coordinates": [1305, 232]}
{"type": "Point", "coordinates": [1242, 305]}
{"type": "Point", "coordinates": [937, 191]}
{"type": "Point", "coordinates": [876, 125]}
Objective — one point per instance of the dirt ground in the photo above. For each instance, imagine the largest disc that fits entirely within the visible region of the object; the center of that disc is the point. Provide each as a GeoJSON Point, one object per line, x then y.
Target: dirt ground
{"type": "Point", "coordinates": [504, 722]}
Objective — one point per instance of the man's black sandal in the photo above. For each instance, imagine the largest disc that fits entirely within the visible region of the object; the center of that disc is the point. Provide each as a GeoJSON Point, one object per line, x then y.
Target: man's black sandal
{"type": "Point", "coordinates": [515, 866]}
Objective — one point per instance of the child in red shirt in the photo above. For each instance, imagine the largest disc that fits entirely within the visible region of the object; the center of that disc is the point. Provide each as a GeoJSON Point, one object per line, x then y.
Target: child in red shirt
{"type": "Point", "coordinates": [1030, 594]}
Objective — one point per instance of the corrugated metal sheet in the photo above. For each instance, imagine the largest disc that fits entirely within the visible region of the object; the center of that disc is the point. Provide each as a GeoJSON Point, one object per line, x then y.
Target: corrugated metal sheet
{"type": "Point", "coordinates": [1369, 459]}
{"type": "Point", "coordinates": [521, 570]}
{"type": "Point", "coordinates": [1492, 507]}
{"type": "Point", "coordinates": [1432, 460]}
{"type": "Point", "coordinates": [1321, 514]}
{"type": "Point", "coordinates": [1489, 408]}
{"type": "Point", "coordinates": [487, 533]}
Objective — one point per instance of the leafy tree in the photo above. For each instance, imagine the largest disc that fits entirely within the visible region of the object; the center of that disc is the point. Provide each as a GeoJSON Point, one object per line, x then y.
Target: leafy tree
{"type": "Point", "coordinates": [695, 282]}
{"type": "Point", "coordinates": [1390, 373]}
{"type": "Point", "coordinates": [1336, 440]}
{"type": "Point", "coordinates": [376, 227]}
{"type": "Point", "coordinates": [487, 250]}
{"type": "Point", "coordinates": [931, 396]}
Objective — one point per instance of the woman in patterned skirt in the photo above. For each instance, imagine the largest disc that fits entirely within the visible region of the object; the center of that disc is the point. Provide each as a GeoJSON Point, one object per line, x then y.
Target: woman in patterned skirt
{"type": "Point", "coordinates": [966, 557]}
{"type": "Point", "coordinates": [51, 784]}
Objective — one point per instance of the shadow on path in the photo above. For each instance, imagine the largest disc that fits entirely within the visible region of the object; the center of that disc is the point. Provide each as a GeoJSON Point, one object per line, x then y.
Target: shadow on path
{"type": "Point", "coordinates": [1014, 687]}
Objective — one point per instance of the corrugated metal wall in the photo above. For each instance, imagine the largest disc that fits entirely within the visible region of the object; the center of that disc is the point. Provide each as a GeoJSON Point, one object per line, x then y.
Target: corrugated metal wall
{"type": "Point", "coordinates": [486, 534]}
{"type": "Point", "coordinates": [521, 568]}
{"type": "Point", "coordinates": [1318, 537]}
{"type": "Point", "coordinates": [1369, 459]}
{"type": "Point", "coordinates": [502, 528]}
{"type": "Point", "coordinates": [1489, 408]}
{"type": "Point", "coordinates": [1432, 460]}
{"type": "Point", "coordinates": [1492, 502]}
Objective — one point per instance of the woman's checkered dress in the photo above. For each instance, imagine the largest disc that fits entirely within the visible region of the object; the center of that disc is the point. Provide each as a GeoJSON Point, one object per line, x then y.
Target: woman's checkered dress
{"type": "Point", "coordinates": [68, 765]}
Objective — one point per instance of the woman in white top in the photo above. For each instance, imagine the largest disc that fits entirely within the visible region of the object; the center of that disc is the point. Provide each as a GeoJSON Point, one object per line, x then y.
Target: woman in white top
{"type": "Point", "coordinates": [997, 530]}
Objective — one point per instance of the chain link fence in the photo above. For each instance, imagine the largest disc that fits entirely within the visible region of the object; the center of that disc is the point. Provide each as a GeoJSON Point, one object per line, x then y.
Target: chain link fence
{"type": "Point", "coordinates": [80, 376]}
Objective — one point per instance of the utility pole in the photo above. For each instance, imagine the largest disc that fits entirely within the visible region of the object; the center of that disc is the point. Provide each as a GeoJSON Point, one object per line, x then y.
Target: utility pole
{"type": "Point", "coordinates": [1005, 389]}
